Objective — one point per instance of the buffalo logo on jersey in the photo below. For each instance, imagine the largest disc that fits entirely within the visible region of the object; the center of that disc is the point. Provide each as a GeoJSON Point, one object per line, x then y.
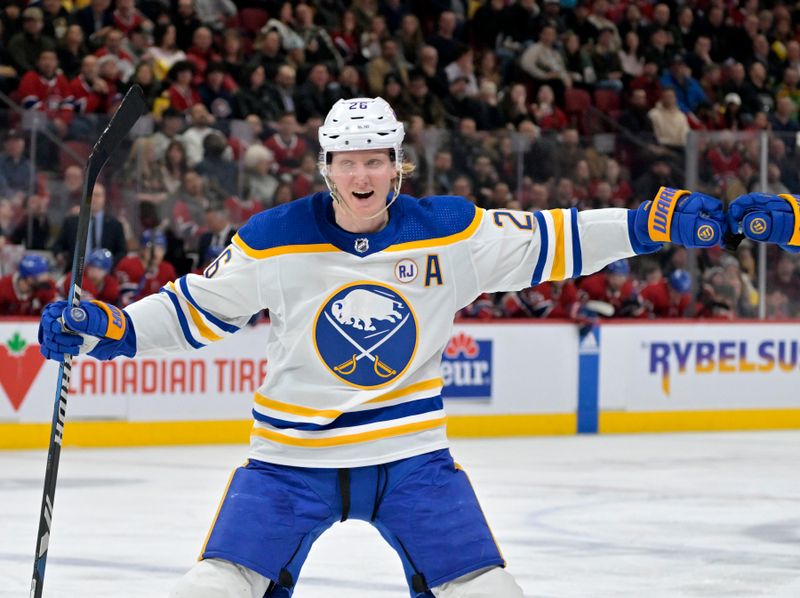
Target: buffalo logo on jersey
{"type": "Point", "coordinates": [366, 334]}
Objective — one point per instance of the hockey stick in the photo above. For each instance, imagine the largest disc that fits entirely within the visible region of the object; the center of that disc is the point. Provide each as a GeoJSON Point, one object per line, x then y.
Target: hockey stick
{"type": "Point", "coordinates": [129, 111]}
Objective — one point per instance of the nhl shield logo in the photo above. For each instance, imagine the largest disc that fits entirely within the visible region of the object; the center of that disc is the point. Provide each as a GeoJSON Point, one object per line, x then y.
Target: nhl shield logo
{"type": "Point", "coordinates": [361, 245]}
{"type": "Point", "coordinates": [366, 334]}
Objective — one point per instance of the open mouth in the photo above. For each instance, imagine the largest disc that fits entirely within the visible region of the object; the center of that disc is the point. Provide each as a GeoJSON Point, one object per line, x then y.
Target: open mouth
{"type": "Point", "coordinates": [363, 195]}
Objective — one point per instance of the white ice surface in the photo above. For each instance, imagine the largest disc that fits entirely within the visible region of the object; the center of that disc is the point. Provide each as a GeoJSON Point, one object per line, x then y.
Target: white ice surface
{"type": "Point", "coordinates": [646, 516]}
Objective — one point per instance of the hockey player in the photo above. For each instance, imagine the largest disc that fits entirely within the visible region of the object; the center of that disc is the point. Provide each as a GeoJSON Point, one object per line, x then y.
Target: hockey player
{"type": "Point", "coordinates": [28, 290]}
{"type": "Point", "coordinates": [98, 282]}
{"type": "Point", "coordinates": [550, 299]}
{"type": "Point", "coordinates": [143, 274]}
{"type": "Point", "coordinates": [614, 286]}
{"type": "Point", "coordinates": [670, 297]}
{"type": "Point", "coordinates": [362, 284]}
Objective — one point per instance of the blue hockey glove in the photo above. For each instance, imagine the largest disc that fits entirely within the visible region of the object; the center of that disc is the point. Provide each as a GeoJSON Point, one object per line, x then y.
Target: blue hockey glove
{"type": "Point", "coordinates": [99, 329]}
{"type": "Point", "coordinates": [767, 218]}
{"type": "Point", "coordinates": [677, 216]}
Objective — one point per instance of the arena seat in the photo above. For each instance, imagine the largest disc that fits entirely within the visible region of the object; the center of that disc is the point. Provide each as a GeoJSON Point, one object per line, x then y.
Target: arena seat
{"type": "Point", "coordinates": [80, 148]}
{"type": "Point", "coordinates": [576, 104]}
{"type": "Point", "coordinates": [253, 19]}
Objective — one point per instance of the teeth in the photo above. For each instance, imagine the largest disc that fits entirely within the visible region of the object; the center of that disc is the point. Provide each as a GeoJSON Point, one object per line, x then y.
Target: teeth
{"type": "Point", "coordinates": [363, 195]}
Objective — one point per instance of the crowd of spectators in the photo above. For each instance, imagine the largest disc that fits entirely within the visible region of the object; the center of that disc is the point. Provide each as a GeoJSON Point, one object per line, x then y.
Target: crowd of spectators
{"type": "Point", "coordinates": [518, 104]}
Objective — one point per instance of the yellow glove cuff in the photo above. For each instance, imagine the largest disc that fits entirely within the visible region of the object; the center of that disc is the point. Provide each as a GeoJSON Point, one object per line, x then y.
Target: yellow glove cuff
{"type": "Point", "coordinates": [793, 201]}
{"type": "Point", "coordinates": [659, 220]}
{"type": "Point", "coordinates": [116, 320]}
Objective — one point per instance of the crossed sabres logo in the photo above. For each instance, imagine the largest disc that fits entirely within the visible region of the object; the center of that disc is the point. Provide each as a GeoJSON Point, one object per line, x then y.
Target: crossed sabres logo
{"type": "Point", "coordinates": [366, 334]}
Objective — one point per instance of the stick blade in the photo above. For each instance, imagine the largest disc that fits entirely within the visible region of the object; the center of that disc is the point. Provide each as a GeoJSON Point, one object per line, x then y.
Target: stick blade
{"type": "Point", "coordinates": [602, 308]}
{"type": "Point", "coordinates": [130, 109]}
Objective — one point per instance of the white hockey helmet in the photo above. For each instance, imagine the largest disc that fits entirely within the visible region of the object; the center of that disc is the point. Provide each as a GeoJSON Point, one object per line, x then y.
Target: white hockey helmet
{"type": "Point", "coordinates": [361, 124]}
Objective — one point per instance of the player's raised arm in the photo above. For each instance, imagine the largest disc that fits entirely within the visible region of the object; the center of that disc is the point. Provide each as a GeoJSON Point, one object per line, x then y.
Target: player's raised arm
{"type": "Point", "coordinates": [513, 250]}
{"type": "Point", "coordinates": [189, 313]}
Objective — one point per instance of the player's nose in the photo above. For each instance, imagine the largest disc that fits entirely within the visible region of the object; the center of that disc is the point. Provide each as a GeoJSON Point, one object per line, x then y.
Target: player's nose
{"type": "Point", "coordinates": [360, 173]}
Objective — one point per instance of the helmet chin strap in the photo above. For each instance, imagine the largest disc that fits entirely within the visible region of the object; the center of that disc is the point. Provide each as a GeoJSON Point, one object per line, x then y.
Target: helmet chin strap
{"type": "Point", "coordinates": [398, 181]}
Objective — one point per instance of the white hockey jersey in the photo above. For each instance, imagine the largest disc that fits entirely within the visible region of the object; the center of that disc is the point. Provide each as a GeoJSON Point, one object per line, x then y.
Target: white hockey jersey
{"type": "Point", "coordinates": [359, 321]}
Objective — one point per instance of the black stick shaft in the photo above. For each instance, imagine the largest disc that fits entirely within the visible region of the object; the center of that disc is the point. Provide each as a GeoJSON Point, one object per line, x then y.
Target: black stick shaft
{"type": "Point", "coordinates": [129, 111]}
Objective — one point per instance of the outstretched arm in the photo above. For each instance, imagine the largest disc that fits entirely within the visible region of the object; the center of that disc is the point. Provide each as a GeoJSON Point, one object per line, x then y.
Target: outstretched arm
{"type": "Point", "coordinates": [511, 250]}
{"type": "Point", "coordinates": [187, 314]}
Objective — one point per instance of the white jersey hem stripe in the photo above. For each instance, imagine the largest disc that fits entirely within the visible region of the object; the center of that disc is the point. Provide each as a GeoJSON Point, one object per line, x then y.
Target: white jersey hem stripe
{"type": "Point", "coordinates": [344, 439]}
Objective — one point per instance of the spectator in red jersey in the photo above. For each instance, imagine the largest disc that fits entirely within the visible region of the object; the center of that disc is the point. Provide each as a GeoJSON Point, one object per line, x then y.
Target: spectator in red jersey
{"type": "Point", "coordinates": [127, 17]}
{"type": "Point", "coordinates": [181, 94]}
{"type": "Point", "coordinates": [46, 90]}
{"type": "Point", "coordinates": [25, 47]}
{"type": "Point", "coordinates": [669, 298]}
{"type": "Point", "coordinates": [614, 286]}
{"type": "Point", "coordinates": [649, 82]}
{"type": "Point", "coordinates": [241, 210]}
{"type": "Point", "coordinates": [306, 176]}
{"type": "Point", "coordinates": [621, 191]}
{"type": "Point", "coordinates": [143, 274]}
{"type": "Point", "coordinates": [724, 158]}
{"type": "Point", "coordinates": [346, 37]}
{"type": "Point", "coordinates": [89, 90]}
{"type": "Point", "coordinates": [98, 283]}
{"type": "Point", "coordinates": [201, 53]}
{"type": "Point", "coordinates": [549, 117]}
{"type": "Point", "coordinates": [26, 291]}
{"type": "Point", "coordinates": [286, 145]}
{"type": "Point", "coordinates": [112, 46]}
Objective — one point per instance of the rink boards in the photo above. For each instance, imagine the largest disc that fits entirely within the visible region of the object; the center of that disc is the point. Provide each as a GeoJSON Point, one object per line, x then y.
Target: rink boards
{"type": "Point", "coordinates": [501, 379]}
